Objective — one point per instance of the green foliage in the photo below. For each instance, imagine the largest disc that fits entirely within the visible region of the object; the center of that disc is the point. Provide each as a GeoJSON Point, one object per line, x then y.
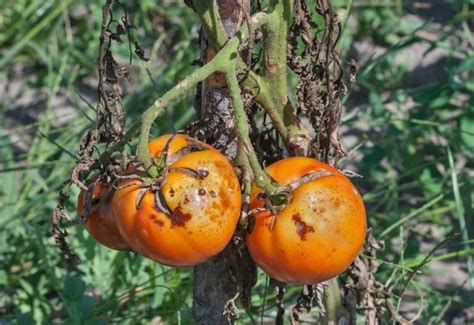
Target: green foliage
{"type": "Point", "coordinates": [413, 189]}
{"type": "Point", "coordinates": [403, 145]}
{"type": "Point", "coordinates": [34, 284]}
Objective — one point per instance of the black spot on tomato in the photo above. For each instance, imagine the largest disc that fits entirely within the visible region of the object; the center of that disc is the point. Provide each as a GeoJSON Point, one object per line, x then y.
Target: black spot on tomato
{"type": "Point", "coordinates": [179, 218]}
{"type": "Point", "coordinates": [301, 227]}
{"type": "Point", "coordinates": [203, 172]}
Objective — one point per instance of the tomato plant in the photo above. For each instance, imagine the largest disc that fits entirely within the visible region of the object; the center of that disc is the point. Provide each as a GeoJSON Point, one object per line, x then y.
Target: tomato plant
{"type": "Point", "coordinates": [317, 234]}
{"type": "Point", "coordinates": [100, 220]}
{"type": "Point", "coordinates": [180, 202]}
{"type": "Point", "coordinates": [190, 213]}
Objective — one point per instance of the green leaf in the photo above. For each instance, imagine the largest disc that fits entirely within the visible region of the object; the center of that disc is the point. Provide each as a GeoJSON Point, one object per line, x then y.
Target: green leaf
{"type": "Point", "coordinates": [74, 288]}
{"type": "Point", "coordinates": [466, 126]}
{"type": "Point", "coordinates": [24, 319]}
{"type": "Point", "coordinates": [431, 184]}
{"type": "Point", "coordinates": [376, 104]}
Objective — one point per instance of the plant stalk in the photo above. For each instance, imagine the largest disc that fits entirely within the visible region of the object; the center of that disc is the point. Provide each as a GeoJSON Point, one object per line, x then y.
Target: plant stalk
{"type": "Point", "coordinates": [261, 178]}
{"type": "Point", "coordinates": [332, 302]}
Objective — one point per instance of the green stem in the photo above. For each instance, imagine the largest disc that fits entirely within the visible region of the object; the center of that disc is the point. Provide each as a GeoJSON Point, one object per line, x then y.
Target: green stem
{"type": "Point", "coordinates": [218, 64]}
{"type": "Point", "coordinates": [211, 21]}
{"type": "Point", "coordinates": [275, 44]}
{"type": "Point", "coordinates": [214, 28]}
{"type": "Point", "coordinates": [264, 99]}
{"type": "Point", "coordinates": [150, 115]}
{"type": "Point", "coordinates": [261, 178]}
{"type": "Point", "coordinates": [333, 302]}
{"type": "Point", "coordinates": [228, 53]}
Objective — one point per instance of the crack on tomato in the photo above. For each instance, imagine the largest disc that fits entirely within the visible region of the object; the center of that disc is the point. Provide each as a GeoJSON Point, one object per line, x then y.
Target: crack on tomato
{"type": "Point", "coordinates": [301, 227]}
{"type": "Point", "coordinates": [189, 148]}
{"type": "Point", "coordinates": [179, 217]}
{"type": "Point", "coordinates": [139, 197]}
{"type": "Point", "coordinates": [200, 174]}
{"type": "Point", "coordinates": [160, 203]}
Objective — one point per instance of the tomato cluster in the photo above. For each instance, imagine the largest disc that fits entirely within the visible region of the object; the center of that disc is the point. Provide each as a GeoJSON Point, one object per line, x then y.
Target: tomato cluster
{"type": "Point", "coordinates": [186, 218]}
{"type": "Point", "coordinates": [189, 213]}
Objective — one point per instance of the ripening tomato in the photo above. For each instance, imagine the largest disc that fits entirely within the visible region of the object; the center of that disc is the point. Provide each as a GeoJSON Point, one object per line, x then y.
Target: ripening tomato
{"type": "Point", "coordinates": [318, 234]}
{"type": "Point", "coordinates": [100, 221]}
{"type": "Point", "coordinates": [192, 215]}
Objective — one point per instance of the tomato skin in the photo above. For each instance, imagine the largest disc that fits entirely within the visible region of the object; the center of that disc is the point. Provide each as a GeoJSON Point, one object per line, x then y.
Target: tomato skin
{"type": "Point", "coordinates": [320, 231]}
{"type": "Point", "coordinates": [204, 212]}
{"type": "Point", "coordinates": [101, 223]}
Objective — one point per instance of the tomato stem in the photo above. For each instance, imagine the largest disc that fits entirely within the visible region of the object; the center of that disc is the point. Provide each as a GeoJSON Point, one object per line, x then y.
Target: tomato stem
{"type": "Point", "coordinates": [333, 302]}
{"type": "Point", "coordinates": [220, 63]}
{"type": "Point", "coordinates": [269, 90]}
{"type": "Point", "coordinates": [275, 46]}
{"type": "Point", "coordinates": [261, 178]}
{"type": "Point", "coordinates": [152, 113]}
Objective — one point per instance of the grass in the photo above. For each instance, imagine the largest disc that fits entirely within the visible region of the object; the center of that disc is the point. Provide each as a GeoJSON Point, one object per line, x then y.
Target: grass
{"type": "Point", "coordinates": [414, 149]}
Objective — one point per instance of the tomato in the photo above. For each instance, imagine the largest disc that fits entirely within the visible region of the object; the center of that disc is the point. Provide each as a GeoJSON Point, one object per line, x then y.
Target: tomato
{"type": "Point", "coordinates": [101, 221]}
{"type": "Point", "coordinates": [318, 234]}
{"type": "Point", "coordinates": [198, 210]}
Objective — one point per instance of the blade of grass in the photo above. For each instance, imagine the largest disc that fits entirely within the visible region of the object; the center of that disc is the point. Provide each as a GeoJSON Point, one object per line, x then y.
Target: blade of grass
{"type": "Point", "coordinates": [460, 216]}
{"type": "Point", "coordinates": [267, 279]}
{"type": "Point", "coordinates": [447, 256]}
{"type": "Point", "coordinates": [33, 9]}
{"type": "Point", "coordinates": [34, 166]}
{"type": "Point", "coordinates": [52, 141]}
{"type": "Point", "coordinates": [347, 15]}
{"type": "Point", "coordinates": [425, 261]}
{"type": "Point", "coordinates": [10, 54]}
{"type": "Point", "coordinates": [412, 215]}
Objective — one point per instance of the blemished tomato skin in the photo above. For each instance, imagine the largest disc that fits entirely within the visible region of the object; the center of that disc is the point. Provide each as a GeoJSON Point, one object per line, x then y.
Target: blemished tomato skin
{"type": "Point", "coordinates": [204, 212]}
{"type": "Point", "coordinates": [101, 221]}
{"type": "Point", "coordinates": [320, 231]}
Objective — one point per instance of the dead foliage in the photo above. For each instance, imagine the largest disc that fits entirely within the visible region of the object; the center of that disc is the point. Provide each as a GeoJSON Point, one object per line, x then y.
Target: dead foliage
{"type": "Point", "coordinates": [109, 123]}
{"type": "Point", "coordinates": [318, 65]}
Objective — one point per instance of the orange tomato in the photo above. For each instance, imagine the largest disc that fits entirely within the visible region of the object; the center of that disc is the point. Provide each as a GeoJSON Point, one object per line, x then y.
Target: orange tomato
{"type": "Point", "coordinates": [318, 234]}
{"type": "Point", "coordinates": [100, 221]}
{"type": "Point", "coordinates": [202, 195]}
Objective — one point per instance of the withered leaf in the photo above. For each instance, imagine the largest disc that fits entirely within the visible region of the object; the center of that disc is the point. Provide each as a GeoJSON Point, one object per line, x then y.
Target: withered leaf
{"type": "Point", "coordinates": [140, 52]}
